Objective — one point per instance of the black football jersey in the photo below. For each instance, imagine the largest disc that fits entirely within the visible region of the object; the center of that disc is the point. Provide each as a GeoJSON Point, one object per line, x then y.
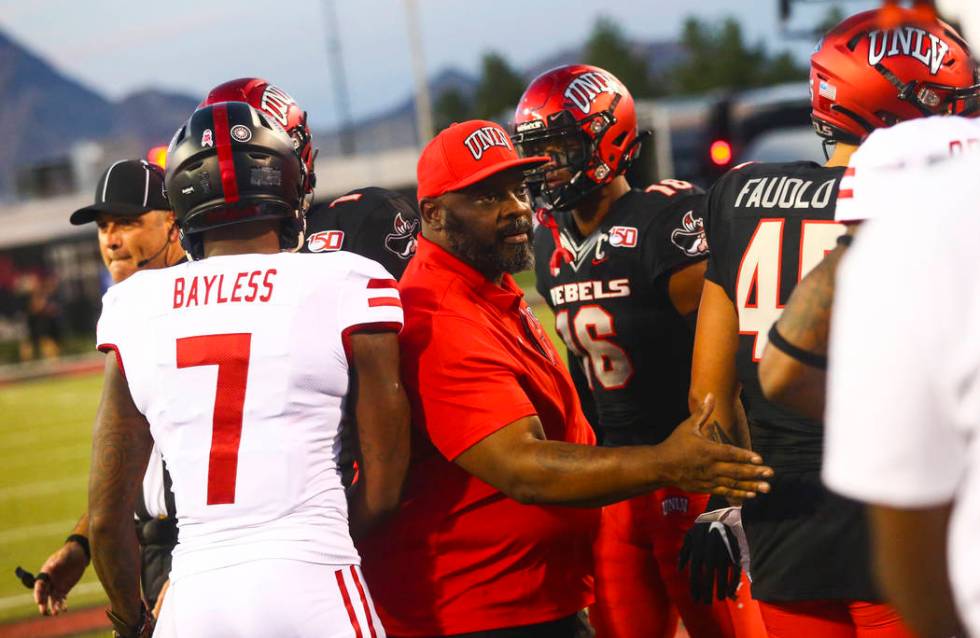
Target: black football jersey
{"type": "Point", "coordinates": [768, 225]}
{"type": "Point", "coordinates": [373, 222]}
{"type": "Point", "coordinates": [613, 311]}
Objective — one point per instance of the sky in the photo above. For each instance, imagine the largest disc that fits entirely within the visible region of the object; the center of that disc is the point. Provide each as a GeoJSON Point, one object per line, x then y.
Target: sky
{"type": "Point", "coordinates": [118, 46]}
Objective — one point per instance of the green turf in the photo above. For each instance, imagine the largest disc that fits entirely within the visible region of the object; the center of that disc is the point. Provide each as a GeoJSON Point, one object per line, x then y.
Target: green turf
{"type": "Point", "coordinates": [45, 442]}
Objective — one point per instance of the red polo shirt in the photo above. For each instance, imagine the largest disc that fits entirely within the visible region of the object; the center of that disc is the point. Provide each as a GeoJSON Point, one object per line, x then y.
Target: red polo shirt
{"type": "Point", "coordinates": [460, 556]}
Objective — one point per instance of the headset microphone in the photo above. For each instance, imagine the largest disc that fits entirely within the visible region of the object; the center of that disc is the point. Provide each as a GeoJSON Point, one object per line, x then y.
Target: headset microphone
{"type": "Point", "coordinates": [143, 262]}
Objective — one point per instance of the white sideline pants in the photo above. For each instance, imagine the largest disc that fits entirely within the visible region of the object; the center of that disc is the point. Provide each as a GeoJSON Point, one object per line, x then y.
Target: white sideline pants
{"type": "Point", "coordinates": [260, 599]}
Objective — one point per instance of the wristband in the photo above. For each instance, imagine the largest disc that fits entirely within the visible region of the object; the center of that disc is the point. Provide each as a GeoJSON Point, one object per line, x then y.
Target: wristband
{"type": "Point", "coordinates": [811, 359]}
{"type": "Point", "coordinates": [83, 543]}
{"type": "Point", "coordinates": [845, 240]}
{"type": "Point", "coordinates": [143, 627]}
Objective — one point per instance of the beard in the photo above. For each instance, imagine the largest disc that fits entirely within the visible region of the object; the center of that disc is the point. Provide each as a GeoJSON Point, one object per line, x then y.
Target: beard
{"type": "Point", "coordinates": [495, 258]}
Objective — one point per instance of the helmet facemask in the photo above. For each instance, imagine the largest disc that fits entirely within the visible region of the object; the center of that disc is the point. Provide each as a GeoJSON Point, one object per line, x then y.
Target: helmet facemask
{"type": "Point", "coordinates": [573, 148]}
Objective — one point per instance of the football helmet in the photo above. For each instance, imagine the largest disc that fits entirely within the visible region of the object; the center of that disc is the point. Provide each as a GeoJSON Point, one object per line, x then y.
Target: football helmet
{"type": "Point", "coordinates": [584, 119]}
{"type": "Point", "coordinates": [279, 106]}
{"type": "Point", "coordinates": [231, 164]}
{"type": "Point", "coordinates": [864, 76]}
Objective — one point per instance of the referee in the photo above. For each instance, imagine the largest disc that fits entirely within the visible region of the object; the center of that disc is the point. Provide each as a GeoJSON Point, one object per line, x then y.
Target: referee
{"type": "Point", "coordinates": [136, 231]}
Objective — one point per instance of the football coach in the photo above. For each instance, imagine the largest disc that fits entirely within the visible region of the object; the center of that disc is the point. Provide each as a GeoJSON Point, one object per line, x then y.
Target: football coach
{"type": "Point", "coordinates": [493, 538]}
{"type": "Point", "coordinates": [136, 231]}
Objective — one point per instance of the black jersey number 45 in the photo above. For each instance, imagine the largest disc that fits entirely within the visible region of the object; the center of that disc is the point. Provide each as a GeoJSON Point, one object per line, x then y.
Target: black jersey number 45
{"type": "Point", "coordinates": [758, 283]}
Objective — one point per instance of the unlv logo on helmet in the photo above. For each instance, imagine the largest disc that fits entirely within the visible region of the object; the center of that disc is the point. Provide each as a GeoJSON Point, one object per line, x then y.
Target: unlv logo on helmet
{"type": "Point", "coordinates": [276, 103]}
{"type": "Point", "coordinates": [918, 43]}
{"type": "Point", "coordinates": [583, 90]}
{"type": "Point", "coordinates": [483, 138]}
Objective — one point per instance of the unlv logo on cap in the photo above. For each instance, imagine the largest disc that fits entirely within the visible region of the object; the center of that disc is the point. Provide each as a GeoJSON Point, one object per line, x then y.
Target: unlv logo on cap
{"type": "Point", "coordinates": [908, 41]}
{"type": "Point", "coordinates": [483, 138]}
{"type": "Point", "coordinates": [585, 88]}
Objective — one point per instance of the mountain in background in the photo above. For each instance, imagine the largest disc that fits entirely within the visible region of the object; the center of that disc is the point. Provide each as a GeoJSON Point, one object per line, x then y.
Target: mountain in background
{"type": "Point", "coordinates": [47, 114]}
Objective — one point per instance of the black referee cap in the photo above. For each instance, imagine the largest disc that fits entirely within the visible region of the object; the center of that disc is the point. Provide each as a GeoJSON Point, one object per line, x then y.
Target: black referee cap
{"type": "Point", "coordinates": [128, 188]}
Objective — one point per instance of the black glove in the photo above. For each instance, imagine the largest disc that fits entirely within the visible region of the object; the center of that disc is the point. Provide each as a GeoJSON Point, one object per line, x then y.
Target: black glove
{"type": "Point", "coordinates": [712, 550]}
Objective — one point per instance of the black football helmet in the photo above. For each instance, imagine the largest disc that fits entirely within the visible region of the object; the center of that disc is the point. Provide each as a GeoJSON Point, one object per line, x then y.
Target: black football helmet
{"type": "Point", "coordinates": [231, 164]}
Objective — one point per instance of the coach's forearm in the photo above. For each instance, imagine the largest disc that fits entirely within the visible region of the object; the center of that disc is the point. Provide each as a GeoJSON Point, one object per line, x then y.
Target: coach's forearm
{"type": "Point", "coordinates": [560, 473]}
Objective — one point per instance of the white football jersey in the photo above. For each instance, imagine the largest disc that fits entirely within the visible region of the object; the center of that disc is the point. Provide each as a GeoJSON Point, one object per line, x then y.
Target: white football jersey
{"type": "Point", "coordinates": [903, 402]}
{"type": "Point", "coordinates": [240, 365]}
{"type": "Point", "coordinates": [908, 144]}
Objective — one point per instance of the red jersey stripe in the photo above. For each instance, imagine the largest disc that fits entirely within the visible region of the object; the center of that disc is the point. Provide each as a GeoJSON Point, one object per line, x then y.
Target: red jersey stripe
{"type": "Point", "coordinates": [845, 194]}
{"type": "Point", "coordinates": [384, 301]}
{"type": "Point", "coordinates": [382, 283]}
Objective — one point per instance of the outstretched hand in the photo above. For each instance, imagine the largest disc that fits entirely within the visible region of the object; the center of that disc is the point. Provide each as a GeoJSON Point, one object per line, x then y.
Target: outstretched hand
{"type": "Point", "coordinates": [699, 464]}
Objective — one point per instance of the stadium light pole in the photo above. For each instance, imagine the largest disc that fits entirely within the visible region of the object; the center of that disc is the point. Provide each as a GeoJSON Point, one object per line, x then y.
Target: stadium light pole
{"type": "Point", "coordinates": [423, 102]}
{"type": "Point", "coordinates": [336, 60]}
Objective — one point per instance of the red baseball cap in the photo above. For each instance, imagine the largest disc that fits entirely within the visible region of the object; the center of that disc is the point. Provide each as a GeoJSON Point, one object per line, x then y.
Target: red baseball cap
{"type": "Point", "coordinates": [467, 153]}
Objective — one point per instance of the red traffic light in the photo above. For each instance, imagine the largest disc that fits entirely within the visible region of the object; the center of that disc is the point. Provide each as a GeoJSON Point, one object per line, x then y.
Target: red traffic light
{"type": "Point", "coordinates": [721, 152]}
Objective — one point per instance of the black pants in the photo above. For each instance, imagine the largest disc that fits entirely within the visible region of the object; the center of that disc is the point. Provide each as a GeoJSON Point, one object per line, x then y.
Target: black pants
{"type": "Point", "coordinates": [574, 626]}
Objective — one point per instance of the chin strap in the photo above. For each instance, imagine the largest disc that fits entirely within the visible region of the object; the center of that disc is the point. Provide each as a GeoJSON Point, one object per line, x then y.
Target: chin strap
{"type": "Point", "coordinates": [561, 254]}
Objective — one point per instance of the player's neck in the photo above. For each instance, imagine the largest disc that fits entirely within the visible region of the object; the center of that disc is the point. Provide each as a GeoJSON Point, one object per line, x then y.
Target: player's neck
{"type": "Point", "coordinates": [240, 239]}
{"type": "Point", "coordinates": [841, 155]}
{"type": "Point", "coordinates": [595, 206]}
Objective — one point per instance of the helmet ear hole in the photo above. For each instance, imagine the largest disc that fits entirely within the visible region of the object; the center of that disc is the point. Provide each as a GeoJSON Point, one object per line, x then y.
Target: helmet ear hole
{"type": "Point", "coordinates": [618, 141]}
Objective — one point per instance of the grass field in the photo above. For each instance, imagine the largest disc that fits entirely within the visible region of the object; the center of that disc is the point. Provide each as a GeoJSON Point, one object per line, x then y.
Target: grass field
{"type": "Point", "coordinates": [45, 442]}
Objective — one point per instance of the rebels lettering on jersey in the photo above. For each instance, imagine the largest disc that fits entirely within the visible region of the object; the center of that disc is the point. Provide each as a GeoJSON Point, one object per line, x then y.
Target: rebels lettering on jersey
{"type": "Point", "coordinates": [613, 311]}
{"type": "Point", "coordinates": [589, 291]}
{"type": "Point", "coordinates": [240, 365]}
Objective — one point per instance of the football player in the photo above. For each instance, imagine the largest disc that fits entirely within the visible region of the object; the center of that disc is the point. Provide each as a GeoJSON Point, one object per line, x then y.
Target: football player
{"type": "Point", "coordinates": [792, 370]}
{"type": "Point", "coordinates": [902, 396]}
{"type": "Point", "coordinates": [376, 223]}
{"type": "Point", "coordinates": [239, 365]}
{"type": "Point", "coordinates": [768, 225]}
{"type": "Point", "coordinates": [373, 222]}
{"type": "Point", "coordinates": [622, 269]}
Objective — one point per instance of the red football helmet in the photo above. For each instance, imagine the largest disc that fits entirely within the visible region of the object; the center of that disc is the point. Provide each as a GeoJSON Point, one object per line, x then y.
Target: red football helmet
{"type": "Point", "coordinates": [279, 106]}
{"type": "Point", "coordinates": [584, 118]}
{"type": "Point", "coordinates": [864, 77]}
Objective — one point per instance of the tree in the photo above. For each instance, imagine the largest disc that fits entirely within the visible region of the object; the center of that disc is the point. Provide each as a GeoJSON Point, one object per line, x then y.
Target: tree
{"type": "Point", "coordinates": [608, 48]}
{"type": "Point", "coordinates": [719, 57]}
{"type": "Point", "coordinates": [451, 106]}
{"type": "Point", "coordinates": [499, 90]}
